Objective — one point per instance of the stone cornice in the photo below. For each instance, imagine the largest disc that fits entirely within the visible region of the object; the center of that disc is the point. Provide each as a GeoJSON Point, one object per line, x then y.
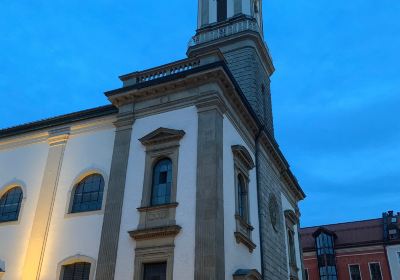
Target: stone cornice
{"type": "Point", "coordinates": [58, 136]}
{"type": "Point", "coordinates": [21, 135]}
{"type": "Point", "coordinates": [152, 233]}
{"type": "Point", "coordinates": [58, 121]}
{"type": "Point", "coordinates": [236, 104]}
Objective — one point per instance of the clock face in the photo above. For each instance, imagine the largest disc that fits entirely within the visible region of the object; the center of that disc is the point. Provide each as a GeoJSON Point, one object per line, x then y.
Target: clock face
{"type": "Point", "coordinates": [273, 211]}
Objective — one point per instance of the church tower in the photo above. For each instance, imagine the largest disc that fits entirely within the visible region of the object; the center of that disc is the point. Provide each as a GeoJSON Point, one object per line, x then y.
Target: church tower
{"type": "Point", "coordinates": [235, 27]}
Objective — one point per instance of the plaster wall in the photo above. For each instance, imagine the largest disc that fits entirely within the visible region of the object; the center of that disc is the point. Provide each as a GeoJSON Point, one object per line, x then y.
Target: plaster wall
{"type": "Point", "coordinates": [77, 234]}
{"type": "Point", "coordinates": [393, 254]}
{"type": "Point", "coordinates": [237, 256]}
{"type": "Point", "coordinates": [182, 119]}
{"type": "Point", "coordinates": [23, 166]}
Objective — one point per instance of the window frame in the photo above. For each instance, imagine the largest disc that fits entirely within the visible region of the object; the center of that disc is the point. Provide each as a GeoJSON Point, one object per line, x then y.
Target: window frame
{"type": "Point", "coordinates": [154, 263]}
{"type": "Point", "coordinates": [159, 144]}
{"type": "Point", "coordinates": [161, 159]}
{"type": "Point", "coordinates": [380, 269]}
{"type": "Point", "coordinates": [359, 268]}
{"type": "Point", "coordinates": [291, 222]}
{"type": "Point", "coordinates": [323, 248]}
{"type": "Point", "coordinates": [71, 193]}
{"type": "Point", "coordinates": [242, 165]}
{"type": "Point", "coordinates": [77, 259]}
{"type": "Point", "coordinates": [7, 188]}
{"type": "Point", "coordinates": [160, 254]}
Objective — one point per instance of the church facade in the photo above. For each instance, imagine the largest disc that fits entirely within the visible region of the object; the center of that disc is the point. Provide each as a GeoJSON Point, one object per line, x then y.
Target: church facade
{"type": "Point", "coordinates": [180, 177]}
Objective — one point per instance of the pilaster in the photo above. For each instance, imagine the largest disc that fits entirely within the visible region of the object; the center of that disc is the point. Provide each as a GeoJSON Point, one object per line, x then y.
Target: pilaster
{"type": "Point", "coordinates": [37, 243]}
{"type": "Point", "coordinates": [209, 236]}
{"type": "Point", "coordinates": [115, 195]}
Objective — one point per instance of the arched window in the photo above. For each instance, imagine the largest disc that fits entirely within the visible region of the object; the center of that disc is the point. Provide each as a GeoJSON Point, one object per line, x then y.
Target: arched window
{"type": "Point", "coordinates": [10, 205]}
{"type": "Point", "coordinates": [162, 181]}
{"type": "Point", "coordinates": [76, 271]}
{"type": "Point", "coordinates": [242, 198]}
{"type": "Point", "coordinates": [88, 194]}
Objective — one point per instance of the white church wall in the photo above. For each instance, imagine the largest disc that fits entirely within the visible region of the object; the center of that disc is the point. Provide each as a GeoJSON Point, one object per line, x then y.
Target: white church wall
{"type": "Point", "coordinates": [393, 253]}
{"type": "Point", "coordinates": [237, 256]}
{"type": "Point", "coordinates": [286, 205]}
{"type": "Point", "coordinates": [182, 119]}
{"type": "Point", "coordinates": [77, 234]}
{"type": "Point", "coordinates": [24, 166]}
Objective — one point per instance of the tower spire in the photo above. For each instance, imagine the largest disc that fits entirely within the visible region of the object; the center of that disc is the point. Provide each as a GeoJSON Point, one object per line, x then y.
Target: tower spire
{"type": "Point", "coordinates": [235, 28]}
{"type": "Point", "coordinates": [215, 11]}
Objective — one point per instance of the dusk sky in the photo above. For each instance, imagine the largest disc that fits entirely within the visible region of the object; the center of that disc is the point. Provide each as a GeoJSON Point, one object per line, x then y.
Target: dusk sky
{"type": "Point", "coordinates": [336, 89]}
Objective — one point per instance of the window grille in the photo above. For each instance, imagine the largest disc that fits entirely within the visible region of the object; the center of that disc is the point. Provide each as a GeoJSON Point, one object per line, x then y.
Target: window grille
{"type": "Point", "coordinates": [88, 194]}
{"type": "Point", "coordinates": [76, 271]}
{"type": "Point", "coordinates": [10, 205]}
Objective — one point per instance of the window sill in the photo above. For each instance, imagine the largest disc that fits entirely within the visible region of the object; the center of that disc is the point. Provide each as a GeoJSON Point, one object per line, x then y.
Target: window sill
{"type": "Point", "coordinates": [158, 207]}
{"type": "Point", "coordinates": [241, 238]}
{"type": "Point", "coordinates": [244, 223]}
{"type": "Point", "coordinates": [83, 214]}
{"type": "Point", "coordinates": [10, 223]}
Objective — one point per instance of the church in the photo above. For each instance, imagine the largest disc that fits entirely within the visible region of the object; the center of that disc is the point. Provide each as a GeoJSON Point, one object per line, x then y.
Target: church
{"type": "Point", "coordinates": [179, 177]}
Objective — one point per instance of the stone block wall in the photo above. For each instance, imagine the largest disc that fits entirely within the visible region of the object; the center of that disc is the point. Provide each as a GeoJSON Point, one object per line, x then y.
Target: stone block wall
{"type": "Point", "coordinates": [273, 238]}
{"type": "Point", "coordinates": [245, 65]}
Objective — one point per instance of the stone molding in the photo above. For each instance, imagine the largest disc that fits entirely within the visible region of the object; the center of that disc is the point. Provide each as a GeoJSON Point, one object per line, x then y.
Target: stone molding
{"type": "Point", "coordinates": [153, 233]}
{"type": "Point", "coordinates": [162, 135]}
{"type": "Point", "coordinates": [58, 136]}
{"type": "Point", "coordinates": [292, 218]}
{"type": "Point", "coordinates": [163, 251]}
{"type": "Point", "coordinates": [242, 238]}
{"type": "Point", "coordinates": [75, 259]}
{"type": "Point", "coordinates": [160, 143]}
{"type": "Point", "coordinates": [247, 274]}
{"type": "Point", "coordinates": [243, 163]}
{"type": "Point", "coordinates": [242, 154]}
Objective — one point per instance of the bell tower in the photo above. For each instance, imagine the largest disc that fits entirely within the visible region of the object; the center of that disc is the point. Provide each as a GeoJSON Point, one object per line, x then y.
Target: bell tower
{"type": "Point", "coordinates": [235, 27]}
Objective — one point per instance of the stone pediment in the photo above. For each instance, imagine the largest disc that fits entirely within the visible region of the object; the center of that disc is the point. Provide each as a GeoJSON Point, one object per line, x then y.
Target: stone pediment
{"type": "Point", "coordinates": [244, 155]}
{"type": "Point", "coordinates": [162, 135]}
{"type": "Point", "coordinates": [247, 274]}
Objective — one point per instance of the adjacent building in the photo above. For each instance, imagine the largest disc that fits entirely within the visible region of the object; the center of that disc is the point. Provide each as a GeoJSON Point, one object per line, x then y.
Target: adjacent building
{"type": "Point", "coordinates": [359, 250]}
{"type": "Point", "coordinates": [179, 177]}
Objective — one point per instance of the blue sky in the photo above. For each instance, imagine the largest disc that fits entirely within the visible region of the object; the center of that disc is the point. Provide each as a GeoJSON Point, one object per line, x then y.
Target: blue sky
{"type": "Point", "coordinates": [336, 89]}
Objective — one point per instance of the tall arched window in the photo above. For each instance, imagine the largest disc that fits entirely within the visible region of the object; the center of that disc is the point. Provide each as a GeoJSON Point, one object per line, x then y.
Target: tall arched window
{"type": "Point", "coordinates": [76, 271]}
{"type": "Point", "coordinates": [242, 198]}
{"type": "Point", "coordinates": [162, 181]}
{"type": "Point", "coordinates": [10, 205]}
{"type": "Point", "coordinates": [88, 194]}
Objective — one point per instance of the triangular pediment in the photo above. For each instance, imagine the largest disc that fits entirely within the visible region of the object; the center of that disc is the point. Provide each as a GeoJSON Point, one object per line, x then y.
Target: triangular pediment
{"type": "Point", "coordinates": [161, 135]}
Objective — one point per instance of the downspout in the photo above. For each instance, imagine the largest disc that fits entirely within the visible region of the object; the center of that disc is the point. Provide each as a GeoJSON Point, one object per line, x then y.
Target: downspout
{"type": "Point", "coordinates": [260, 218]}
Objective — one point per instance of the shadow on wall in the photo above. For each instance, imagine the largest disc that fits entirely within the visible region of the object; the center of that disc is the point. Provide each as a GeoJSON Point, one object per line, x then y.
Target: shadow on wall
{"type": "Point", "coordinates": [2, 268]}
